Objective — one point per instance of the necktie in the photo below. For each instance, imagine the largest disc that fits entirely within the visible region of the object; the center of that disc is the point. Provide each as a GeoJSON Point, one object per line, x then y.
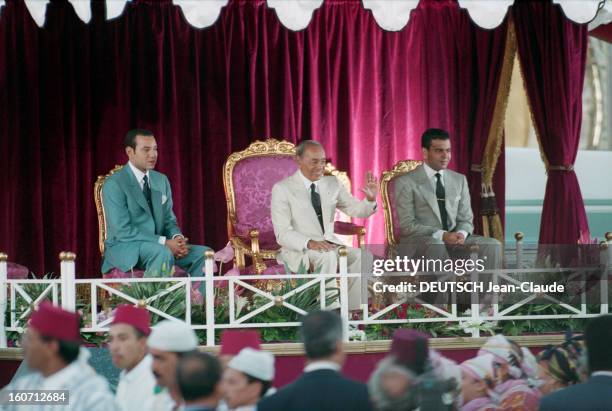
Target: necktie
{"type": "Point", "coordinates": [441, 196]}
{"type": "Point", "coordinates": [146, 190]}
{"type": "Point", "coordinates": [315, 198]}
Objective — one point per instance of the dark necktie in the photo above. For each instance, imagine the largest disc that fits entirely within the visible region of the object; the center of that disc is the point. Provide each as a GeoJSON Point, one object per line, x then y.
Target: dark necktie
{"type": "Point", "coordinates": [315, 198]}
{"type": "Point", "coordinates": [146, 190]}
{"type": "Point", "coordinates": [441, 196]}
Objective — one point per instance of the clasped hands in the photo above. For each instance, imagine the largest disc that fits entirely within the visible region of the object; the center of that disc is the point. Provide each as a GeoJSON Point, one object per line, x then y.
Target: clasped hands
{"type": "Point", "coordinates": [179, 246]}
{"type": "Point", "coordinates": [452, 238]}
{"type": "Point", "coordinates": [321, 246]}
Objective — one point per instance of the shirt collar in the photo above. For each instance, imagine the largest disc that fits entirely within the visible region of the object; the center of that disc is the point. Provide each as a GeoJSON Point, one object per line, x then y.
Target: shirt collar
{"type": "Point", "coordinates": [431, 172]}
{"type": "Point", "coordinates": [307, 182]}
{"type": "Point", "coordinates": [62, 377]}
{"type": "Point", "coordinates": [322, 365]}
{"type": "Point", "coordinates": [143, 367]}
{"type": "Point", "coordinates": [139, 174]}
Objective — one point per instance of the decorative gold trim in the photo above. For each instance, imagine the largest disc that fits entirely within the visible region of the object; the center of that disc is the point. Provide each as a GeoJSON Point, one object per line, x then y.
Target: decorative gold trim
{"type": "Point", "coordinates": [568, 167]}
{"type": "Point", "coordinates": [533, 122]}
{"type": "Point", "coordinates": [399, 169]}
{"type": "Point", "coordinates": [342, 176]}
{"type": "Point", "coordinates": [494, 139]}
{"type": "Point", "coordinates": [100, 206]}
{"type": "Point", "coordinates": [492, 225]}
{"type": "Point", "coordinates": [366, 347]}
{"type": "Point", "coordinates": [3, 257]}
{"type": "Point", "coordinates": [67, 256]}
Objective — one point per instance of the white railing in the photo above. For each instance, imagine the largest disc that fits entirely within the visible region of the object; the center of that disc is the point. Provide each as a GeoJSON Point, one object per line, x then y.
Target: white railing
{"type": "Point", "coordinates": [257, 285]}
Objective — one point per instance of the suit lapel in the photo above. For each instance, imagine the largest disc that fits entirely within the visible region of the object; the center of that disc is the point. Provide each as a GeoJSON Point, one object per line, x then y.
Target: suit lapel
{"type": "Point", "coordinates": [156, 200]}
{"type": "Point", "coordinates": [303, 195]}
{"type": "Point", "coordinates": [450, 188]}
{"type": "Point", "coordinates": [134, 189]}
{"type": "Point", "coordinates": [325, 200]}
{"type": "Point", "coordinates": [426, 189]}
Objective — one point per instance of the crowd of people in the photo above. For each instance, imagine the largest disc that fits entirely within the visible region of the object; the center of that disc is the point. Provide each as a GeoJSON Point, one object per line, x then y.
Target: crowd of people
{"type": "Point", "coordinates": [163, 369]}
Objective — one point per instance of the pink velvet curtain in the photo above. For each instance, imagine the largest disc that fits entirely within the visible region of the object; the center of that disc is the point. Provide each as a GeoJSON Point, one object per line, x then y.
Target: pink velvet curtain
{"type": "Point", "coordinates": [71, 90]}
{"type": "Point", "coordinates": [552, 52]}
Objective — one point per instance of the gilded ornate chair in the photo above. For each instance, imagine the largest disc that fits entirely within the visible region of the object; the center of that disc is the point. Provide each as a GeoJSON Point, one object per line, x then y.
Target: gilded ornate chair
{"type": "Point", "coordinates": [248, 178]}
{"type": "Point", "coordinates": [387, 192]}
{"type": "Point", "coordinates": [115, 272]}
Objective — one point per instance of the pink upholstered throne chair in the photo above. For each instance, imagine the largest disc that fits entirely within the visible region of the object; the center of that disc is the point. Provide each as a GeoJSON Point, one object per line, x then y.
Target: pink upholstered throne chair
{"type": "Point", "coordinates": [14, 271]}
{"type": "Point", "coordinates": [387, 192]}
{"type": "Point", "coordinates": [115, 272]}
{"type": "Point", "coordinates": [248, 178]}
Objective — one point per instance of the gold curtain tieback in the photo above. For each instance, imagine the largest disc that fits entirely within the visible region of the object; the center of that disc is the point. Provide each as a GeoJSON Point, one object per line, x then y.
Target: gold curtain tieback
{"type": "Point", "coordinates": [568, 167]}
{"type": "Point", "coordinates": [476, 168]}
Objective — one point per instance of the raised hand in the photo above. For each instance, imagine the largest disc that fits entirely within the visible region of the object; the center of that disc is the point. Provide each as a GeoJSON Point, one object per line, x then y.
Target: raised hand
{"type": "Point", "coordinates": [371, 187]}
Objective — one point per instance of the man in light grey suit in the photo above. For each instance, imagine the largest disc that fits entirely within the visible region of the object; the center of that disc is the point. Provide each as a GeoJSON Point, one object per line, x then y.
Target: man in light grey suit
{"type": "Point", "coordinates": [303, 209]}
{"type": "Point", "coordinates": [433, 205]}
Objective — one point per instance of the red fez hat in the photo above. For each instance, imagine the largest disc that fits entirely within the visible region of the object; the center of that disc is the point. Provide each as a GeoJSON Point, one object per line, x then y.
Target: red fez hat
{"type": "Point", "coordinates": [410, 348]}
{"type": "Point", "coordinates": [233, 341]}
{"type": "Point", "coordinates": [55, 322]}
{"type": "Point", "coordinates": [135, 316]}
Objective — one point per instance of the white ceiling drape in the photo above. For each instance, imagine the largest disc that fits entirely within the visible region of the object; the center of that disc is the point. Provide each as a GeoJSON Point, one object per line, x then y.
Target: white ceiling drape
{"type": "Point", "coordinates": [390, 15]}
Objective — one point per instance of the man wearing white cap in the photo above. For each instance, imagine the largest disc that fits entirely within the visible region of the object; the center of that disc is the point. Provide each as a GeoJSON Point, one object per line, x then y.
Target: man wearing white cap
{"type": "Point", "coordinates": [247, 379]}
{"type": "Point", "coordinates": [168, 341]}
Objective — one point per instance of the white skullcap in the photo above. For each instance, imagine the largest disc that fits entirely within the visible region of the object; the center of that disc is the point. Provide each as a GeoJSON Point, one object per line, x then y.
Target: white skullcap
{"type": "Point", "coordinates": [257, 364]}
{"type": "Point", "coordinates": [480, 366]}
{"type": "Point", "coordinates": [173, 336]}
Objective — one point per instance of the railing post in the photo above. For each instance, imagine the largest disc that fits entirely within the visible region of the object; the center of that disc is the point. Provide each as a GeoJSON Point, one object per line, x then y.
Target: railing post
{"type": "Point", "coordinates": [609, 242]}
{"type": "Point", "coordinates": [67, 271]}
{"type": "Point", "coordinates": [343, 263]}
{"type": "Point", "coordinates": [209, 302]}
{"type": "Point", "coordinates": [518, 236]}
{"type": "Point", "coordinates": [604, 259]}
{"type": "Point", "coordinates": [3, 297]}
{"type": "Point", "coordinates": [475, 305]}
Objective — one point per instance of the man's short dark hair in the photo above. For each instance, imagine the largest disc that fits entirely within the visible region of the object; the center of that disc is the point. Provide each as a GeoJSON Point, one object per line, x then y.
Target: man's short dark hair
{"type": "Point", "coordinates": [68, 350]}
{"type": "Point", "coordinates": [598, 337]}
{"type": "Point", "coordinates": [130, 137]}
{"type": "Point", "coordinates": [299, 150]}
{"type": "Point", "coordinates": [197, 374]}
{"type": "Point", "coordinates": [321, 331]}
{"type": "Point", "coordinates": [433, 134]}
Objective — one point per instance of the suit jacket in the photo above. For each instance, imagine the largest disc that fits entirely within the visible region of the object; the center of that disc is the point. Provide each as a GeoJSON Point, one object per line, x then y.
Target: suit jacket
{"type": "Point", "coordinates": [417, 207]}
{"type": "Point", "coordinates": [319, 390]}
{"type": "Point", "coordinates": [295, 221]}
{"type": "Point", "coordinates": [593, 395]}
{"type": "Point", "coordinates": [128, 217]}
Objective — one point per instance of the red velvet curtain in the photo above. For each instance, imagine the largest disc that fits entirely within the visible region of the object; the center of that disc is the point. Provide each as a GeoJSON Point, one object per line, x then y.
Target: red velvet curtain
{"type": "Point", "coordinates": [71, 90]}
{"type": "Point", "coordinates": [552, 52]}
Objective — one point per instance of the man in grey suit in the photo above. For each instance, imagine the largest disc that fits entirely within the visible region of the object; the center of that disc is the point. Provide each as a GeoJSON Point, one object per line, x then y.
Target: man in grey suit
{"type": "Point", "coordinates": [433, 205]}
{"type": "Point", "coordinates": [303, 209]}
{"type": "Point", "coordinates": [141, 226]}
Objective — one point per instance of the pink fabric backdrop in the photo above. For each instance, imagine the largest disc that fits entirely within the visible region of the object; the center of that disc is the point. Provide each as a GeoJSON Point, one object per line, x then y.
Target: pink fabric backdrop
{"type": "Point", "coordinates": [71, 91]}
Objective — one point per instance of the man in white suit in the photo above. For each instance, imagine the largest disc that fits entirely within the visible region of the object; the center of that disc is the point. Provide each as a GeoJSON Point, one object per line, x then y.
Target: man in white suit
{"type": "Point", "coordinates": [433, 205]}
{"type": "Point", "coordinates": [303, 210]}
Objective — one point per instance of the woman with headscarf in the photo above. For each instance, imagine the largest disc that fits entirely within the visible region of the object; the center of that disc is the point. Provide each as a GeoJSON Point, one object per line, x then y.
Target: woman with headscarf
{"type": "Point", "coordinates": [511, 375]}
{"type": "Point", "coordinates": [478, 383]}
{"type": "Point", "coordinates": [558, 367]}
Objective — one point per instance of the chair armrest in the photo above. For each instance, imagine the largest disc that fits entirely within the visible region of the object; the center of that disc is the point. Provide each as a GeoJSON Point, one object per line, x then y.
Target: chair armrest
{"type": "Point", "coordinates": [344, 228]}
